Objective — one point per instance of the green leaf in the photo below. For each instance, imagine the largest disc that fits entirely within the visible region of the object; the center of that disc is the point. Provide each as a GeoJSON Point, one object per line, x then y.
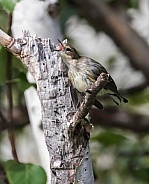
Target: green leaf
{"type": "Point", "coordinates": [19, 74]}
{"type": "Point", "coordinates": [3, 19]}
{"type": "Point", "coordinates": [109, 138]}
{"type": "Point", "coordinates": [22, 83]}
{"type": "Point", "coordinates": [20, 173]}
{"type": "Point", "coordinates": [141, 174]}
{"type": "Point", "coordinates": [134, 4]}
{"type": "Point", "coordinates": [67, 12]}
{"type": "Point", "coordinates": [128, 4]}
{"type": "Point", "coordinates": [8, 5]}
{"type": "Point", "coordinates": [3, 65]}
{"type": "Point", "coordinates": [17, 64]}
{"type": "Point", "coordinates": [140, 98]}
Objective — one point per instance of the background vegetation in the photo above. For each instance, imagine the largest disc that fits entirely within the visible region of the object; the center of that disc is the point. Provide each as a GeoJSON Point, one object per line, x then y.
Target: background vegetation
{"type": "Point", "coordinates": [115, 32]}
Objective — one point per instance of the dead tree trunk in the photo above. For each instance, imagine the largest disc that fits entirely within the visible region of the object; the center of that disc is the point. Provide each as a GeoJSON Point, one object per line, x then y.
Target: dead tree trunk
{"type": "Point", "coordinates": [66, 134]}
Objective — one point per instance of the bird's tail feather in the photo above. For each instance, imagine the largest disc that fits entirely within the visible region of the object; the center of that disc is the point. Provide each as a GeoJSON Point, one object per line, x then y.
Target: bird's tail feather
{"type": "Point", "coordinates": [117, 98]}
{"type": "Point", "coordinates": [98, 104]}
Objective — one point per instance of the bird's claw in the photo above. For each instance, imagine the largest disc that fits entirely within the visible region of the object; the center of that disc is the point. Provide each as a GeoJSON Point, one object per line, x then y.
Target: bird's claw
{"type": "Point", "coordinates": [89, 91]}
{"type": "Point", "coordinates": [104, 76]}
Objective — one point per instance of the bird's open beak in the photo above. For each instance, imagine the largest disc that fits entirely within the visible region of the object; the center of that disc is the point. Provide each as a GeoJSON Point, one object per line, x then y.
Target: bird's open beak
{"type": "Point", "coordinates": [61, 46]}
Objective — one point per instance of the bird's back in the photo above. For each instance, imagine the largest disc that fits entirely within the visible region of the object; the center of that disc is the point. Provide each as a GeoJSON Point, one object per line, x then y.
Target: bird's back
{"type": "Point", "coordinates": [95, 69]}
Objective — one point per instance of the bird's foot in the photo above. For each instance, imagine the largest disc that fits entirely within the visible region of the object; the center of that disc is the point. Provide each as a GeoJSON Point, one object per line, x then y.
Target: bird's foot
{"type": "Point", "coordinates": [89, 90]}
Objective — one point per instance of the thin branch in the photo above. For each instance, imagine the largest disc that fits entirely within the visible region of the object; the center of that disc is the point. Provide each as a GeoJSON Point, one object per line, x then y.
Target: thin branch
{"type": "Point", "coordinates": [9, 94]}
{"type": "Point", "coordinates": [4, 122]}
{"type": "Point", "coordinates": [10, 107]}
{"type": "Point", "coordinates": [5, 39]}
{"type": "Point", "coordinates": [116, 118]}
{"type": "Point", "coordinates": [89, 100]}
{"type": "Point", "coordinates": [135, 89]}
{"type": "Point", "coordinates": [139, 153]}
{"type": "Point", "coordinates": [20, 118]}
{"type": "Point", "coordinates": [110, 117]}
{"type": "Point", "coordinates": [13, 45]}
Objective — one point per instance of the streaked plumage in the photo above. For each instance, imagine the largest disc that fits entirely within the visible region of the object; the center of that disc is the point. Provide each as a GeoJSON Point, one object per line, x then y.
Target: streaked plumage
{"type": "Point", "coordinates": [83, 72]}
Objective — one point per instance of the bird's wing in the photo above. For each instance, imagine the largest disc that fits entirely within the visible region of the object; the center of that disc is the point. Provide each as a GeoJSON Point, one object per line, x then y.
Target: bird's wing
{"type": "Point", "coordinates": [111, 85]}
{"type": "Point", "coordinates": [97, 69]}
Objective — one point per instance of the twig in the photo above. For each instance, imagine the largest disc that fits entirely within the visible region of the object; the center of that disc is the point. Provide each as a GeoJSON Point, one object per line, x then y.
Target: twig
{"type": "Point", "coordinates": [20, 118]}
{"type": "Point", "coordinates": [110, 117]}
{"type": "Point", "coordinates": [88, 100]}
{"type": "Point", "coordinates": [4, 120]}
{"type": "Point", "coordinates": [116, 118]}
{"type": "Point", "coordinates": [5, 39]}
{"type": "Point", "coordinates": [135, 89]}
{"type": "Point", "coordinates": [10, 98]}
{"type": "Point", "coordinates": [13, 45]}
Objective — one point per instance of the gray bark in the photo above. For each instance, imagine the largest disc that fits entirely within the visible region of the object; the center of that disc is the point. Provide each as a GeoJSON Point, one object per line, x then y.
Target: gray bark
{"type": "Point", "coordinates": [65, 129]}
{"type": "Point", "coordinates": [66, 150]}
{"type": "Point", "coordinates": [29, 18]}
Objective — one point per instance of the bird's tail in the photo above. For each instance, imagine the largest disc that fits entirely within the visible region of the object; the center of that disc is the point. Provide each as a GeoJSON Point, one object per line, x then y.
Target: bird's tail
{"type": "Point", "coordinates": [98, 104]}
{"type": "Point", "coordinates": [117, 98]}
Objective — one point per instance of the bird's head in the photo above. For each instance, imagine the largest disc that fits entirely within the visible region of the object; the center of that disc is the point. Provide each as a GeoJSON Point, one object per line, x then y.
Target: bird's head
{"type": "Point", "coordinates": [66, 51]}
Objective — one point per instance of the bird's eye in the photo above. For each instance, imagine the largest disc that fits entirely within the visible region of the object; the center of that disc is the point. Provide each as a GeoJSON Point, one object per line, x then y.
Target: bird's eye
{"type": "Point", "coordinates": [68, 49]}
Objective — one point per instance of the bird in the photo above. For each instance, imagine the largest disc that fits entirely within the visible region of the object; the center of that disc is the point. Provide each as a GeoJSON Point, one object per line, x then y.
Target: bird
{"type": "Point", "coordinates": [84, 71]}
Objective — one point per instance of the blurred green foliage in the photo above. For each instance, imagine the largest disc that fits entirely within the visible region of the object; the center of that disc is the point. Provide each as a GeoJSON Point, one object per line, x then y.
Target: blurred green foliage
{"type": "Point", "coordinates": [120, 157]}
{"type": "Point", "coordinates": [19, 81]}
{"type": "Point", "coordinates": [66, 12]}
{"type": "Point", "coordinates": [16, 172]}
{"type": "Point", "coordinates": [3, 65]}
{"type": "Point", "coordinates": [126, 3]}
{"type": "Point", "coordinates": [109, 138]}
{"type": "Point", "coordinates": [8, 5]}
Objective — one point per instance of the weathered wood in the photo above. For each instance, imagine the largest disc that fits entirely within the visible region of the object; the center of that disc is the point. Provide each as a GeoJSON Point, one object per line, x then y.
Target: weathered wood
{"type": "Point", "coordinates": [5, 39]}
{"type": "Point", "coordinates": [66, 137]}
{"type": "Point", "coordinates": [53, 88]}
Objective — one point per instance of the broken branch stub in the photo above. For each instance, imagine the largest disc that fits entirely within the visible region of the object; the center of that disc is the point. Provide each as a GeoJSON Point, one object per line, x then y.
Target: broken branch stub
{"type": "Point", "coordinates": [50, 74]}
{"type": "Point", "coordinates": [53, 90]}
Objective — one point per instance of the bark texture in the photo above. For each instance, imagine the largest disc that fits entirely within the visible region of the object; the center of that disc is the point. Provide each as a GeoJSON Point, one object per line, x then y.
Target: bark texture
{"type": "Point", "coordinates": [66, 150]}
{"type": "Point", "coordinates": [65, 129]}
{"type": "Point", "coordinates": [53, 89]}
{"type": "Point", "coordinates": [110, 117]}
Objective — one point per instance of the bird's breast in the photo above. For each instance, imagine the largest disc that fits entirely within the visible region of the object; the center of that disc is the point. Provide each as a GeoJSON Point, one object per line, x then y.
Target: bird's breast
{"type": "Point", "coordinates": [80, 80]}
